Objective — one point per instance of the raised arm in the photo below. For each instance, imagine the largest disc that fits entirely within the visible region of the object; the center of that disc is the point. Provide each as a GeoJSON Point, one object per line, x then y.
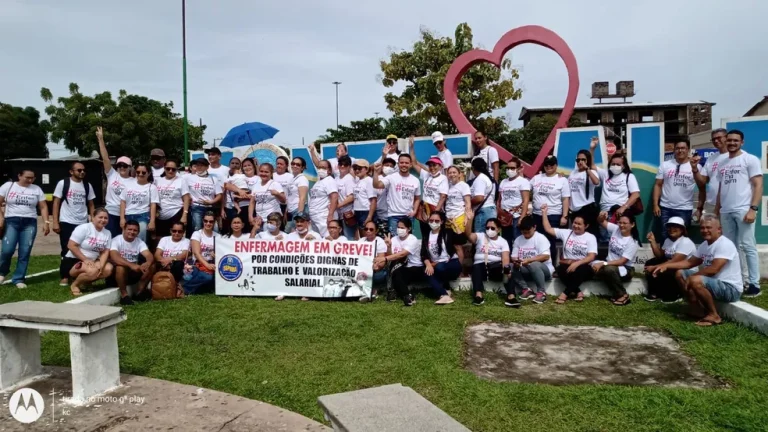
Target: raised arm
{"type": "Point", "coordinates": [545, 222]}
{"type": "Point", "coordinates": [418, 166]}
{"type": "Point", "coordinates": [377, 183]}
{"type": "Point", "coordinates": [103, 149]}
{"type": "Point", "coordinates": [472, 237]}
{"type": "Point", "coordinates": [592, 146]}
{"type": "Point", "coordinates": [314, 156]}
{"type": "Point", "coordinates": [655, 247]}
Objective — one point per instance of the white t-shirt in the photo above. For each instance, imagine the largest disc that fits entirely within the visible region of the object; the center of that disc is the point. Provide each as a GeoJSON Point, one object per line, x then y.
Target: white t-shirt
{"type": "Point", "coordinates": [538, 244]}
{"type": "Point", "coordinates": [722, 248]}
{"type": "Point", "coordinates": [576, 247]}
{"type": "Point", "coordinates": [115, 186]}
{"type": "Point", "coordinates": [549, 191]}
{"type": "Point", "coordinates": [293, 194]}
{"type": "Point", "coordinates": [157, 172]}
{"type": "Point", "coordinates": [139, 197]}
{"type": "Point", "coordinates": [92, 242]}
{"type": "Point", "coordinates": [265, 235]}
{"type": "Point", "coordinates": [678, 185]}
{"type": "Point", "coordinates": [363, 192]}
{"type": "Point", "coordinates": [381, 247]}
{"type": "Point", "coordinates": [295, 235]}
{"type": "Point", "coordinates": [319, 196]}
{"type": "Point", "coordinates": [264, 202]}
{"type": "Point", "coordinates": [682, 245]}
{"type": "Point", "coordinates": [577, 181]}
{"type": "Point", "coordinates": [432, 248]}
{"type": "Point", "coordinates": [485, 187]}
{"type": "Point", "coordinates": [735, 188]}
{"type": "Point", "coordinates": [412, 245]}
{"type": "Point", "coordinates": [511, 192]}
{"type": "Point", "coordinates": [401, 192]}
{"type": "Point", "coordinates": [394, 156]}
{"type": "Point", "coordinates": [285, 179]}
{"type": "Point", "coordinates": [21, 201]}
{"type": "Point", "coordinates": [454, 203]}
{"type": "Point", "coordinates": [713, 173]}
{"type": "Point", "coordinates": [335, 166]}
{"type": "Point", "coordinates": [340, 239]}
{"type": "Point", "coordinates": [207, 247]}
{"type": "Point", "coordinates": [447, 157]}
{"type": "Point", "coordinates": [615, 191]}
{"type": "Point", "coordinates": [433, 187]}
{"type": "Point", "coordinates": [171, 193]}
{"type": "Point", "coordinates": [74, 210]}
{"type": "Point", "coordinates": [129, 251]}
{"type": "Point", "coordinates": [241, 181]}
{"type": "Point", "coordinates": [171, 249]}
{"type": "Point", "coordinates": [490, 155]}
{"type": "Point", "coordinates": [621, 247]}
{"type": "Point", "coordinates": [220, 174]}
{"type": "Point", "coordinates": [493, 249]}
{"type": "Point", "coordinates": [382, 209]}
{"type": "Point", "coordinates": [202, 188]}
{"type": "Point", "coordinates": [346, 187]}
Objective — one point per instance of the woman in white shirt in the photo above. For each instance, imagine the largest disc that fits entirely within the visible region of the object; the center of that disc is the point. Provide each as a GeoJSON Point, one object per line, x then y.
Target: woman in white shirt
{"type": "Point", "coordinates": [174, 200]}
{"type": "Point", "coordinates": [552, 190]}
{"type": "Point", "coordinates": [435, 185]}
{"type": "Point", "coordinates": [285, 178]}
{"type": "Point", "coordinates": [239, 186]}
{"type": "Point", "coordinates": [369, 235]}
{"type": "Point", "coordinates": [618, 266]}
{"type": "Point", "coordinates": [323, 199]}
{"type": "Point", "coordinates": [677, 247]}
{"type": "Point", "coordinates": [116, 180]}
{"type": "Point", "coordinates": [484, 151]}
{"type": "Point", "coordinates": [88, 256]}
{"type": "Point", "coordinates": [199, 277]}
{"type": "Point", "coordinates": [172, 252]}
{"type": "Point", "coordinates": [620, 187]}
{"type": "Point", "coordinates": [272, 229]}
{"type": "Point", "coordinates": [531, 262]}
{"type": "Point", "coordinates": [404, 254]}
{"type": "Point", "coordinates": [514, 196]}
{"type": "Point", "coordinates": [458, 203]}
{"type": "Point", "coordinates": [334, 232]}
{"type": "Point", "coordinates": [138, 202]}
{"type": "Point", "coordinates": [491, 261]}
{"type": "Point", "coordinates": [237, 229]}
{"type": "Point", "coordinates": [582, 182]}
{"type": "Point", "coordinates": [22, 199]}
{"type": "Point", "coordinates": [205, 193]}
{"type": "Point", "coordinates": [346, 189]}
{"type": "Point", "coordinates": [366, 201]}
{"type": "Point", "coordinates": [298, 194]}
{"type": "Point", "coordinates": [484, 192]}
{"type": "Point", "coordinates": [266, 196]}
{"type": "Point", "coordinates": [442, 259]}
{"type": "Point", "coordinates": [579, 250]}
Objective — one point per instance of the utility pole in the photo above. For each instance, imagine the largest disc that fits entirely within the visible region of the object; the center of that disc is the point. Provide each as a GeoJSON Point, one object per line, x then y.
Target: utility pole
{"type": "Point", "coordinates": [337, 83]}
{"type": "Point", "coordinates": [184, 76]}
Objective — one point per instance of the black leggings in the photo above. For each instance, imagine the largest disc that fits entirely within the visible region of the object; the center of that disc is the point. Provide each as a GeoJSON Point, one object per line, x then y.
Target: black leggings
{"type": "Point", "coordinates": [480, 272]}
{"type": "Point", "coordinates": [574, 280]}
{"type": "Point", "coordinates": [664, 285]}
{"type": "Point", "coordinates": [65, 233]}
{"type": "Point", "coordinates": [403, 276]}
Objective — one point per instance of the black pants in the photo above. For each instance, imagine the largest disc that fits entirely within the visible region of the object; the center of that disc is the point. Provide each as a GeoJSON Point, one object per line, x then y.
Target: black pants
{"type": "Point", "coordinates": [664, 285]}
{"type": "Point", "coordinates": [612, 279]}
{"type": "Point", "coordinates": [402, 276]}
{"type": "Point", "coordinates": [589, 212]}
{"type": "Point", "coordinates": [65, 233]}
{"type": "Point", "coordinates": [574, 280]}
{"type": "Point", "coordinates": [481, 273]}
{"type": "Point", "coordinates": [163, 227]}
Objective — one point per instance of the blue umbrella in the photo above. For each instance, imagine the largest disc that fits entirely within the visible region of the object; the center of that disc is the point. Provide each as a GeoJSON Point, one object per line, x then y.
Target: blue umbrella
{"type": "Point", "coordinates": [248, 134]}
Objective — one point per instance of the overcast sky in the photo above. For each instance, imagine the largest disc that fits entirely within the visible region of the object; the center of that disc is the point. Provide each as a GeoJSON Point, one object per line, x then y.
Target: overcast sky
{"type": "Point", "coordinates": [274, 61]}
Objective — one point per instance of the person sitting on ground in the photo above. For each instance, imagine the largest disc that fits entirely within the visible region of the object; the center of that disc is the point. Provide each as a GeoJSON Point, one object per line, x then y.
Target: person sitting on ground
{"type": "Point", "coordinates": [579, 250]}
{"type": "Point", "coordinates": [618, 266]}
{"type": "Point", "coordinates": [718, 277]}
{"type": "Point", "coordinates": [491, 261]}
{"type": "Point", "coordinates": [172, 251]}
{"type": "Point", "coordinates": [677, 247]}
{"type": "Point", "coordinates": [88, 256]}
{"type": "Point", "coordinates": [379, 264]}
{"type": "Point", "coordinates": [404, 254]}
{"type": "Point", "coordinates": [531, 261]}
{"type": "Point", "coordinates": [272, 229]}
{"type": "Point", "coordinates": [442, 259]}
{"type": "Point", "coordinates": [125, 254]}
{"type": "Point", "coordinates": [335, 231]}
{"type": "Point", "coordinates": [198, 278]}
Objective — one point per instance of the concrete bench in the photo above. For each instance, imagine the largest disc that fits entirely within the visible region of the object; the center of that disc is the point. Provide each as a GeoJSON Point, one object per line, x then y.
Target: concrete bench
{"type": "Point", "coordinates": [390, 408]}
{"type": "Point", "coordinates": [92, 342]}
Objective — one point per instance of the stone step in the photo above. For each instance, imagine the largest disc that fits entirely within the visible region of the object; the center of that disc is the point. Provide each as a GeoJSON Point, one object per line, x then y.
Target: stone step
{"type": "Point", "coordinates": [554, 287]}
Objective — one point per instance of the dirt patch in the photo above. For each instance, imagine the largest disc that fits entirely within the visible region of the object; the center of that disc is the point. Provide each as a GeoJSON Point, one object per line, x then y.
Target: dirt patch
{"type": "Point", "coordinates": [580, 355]}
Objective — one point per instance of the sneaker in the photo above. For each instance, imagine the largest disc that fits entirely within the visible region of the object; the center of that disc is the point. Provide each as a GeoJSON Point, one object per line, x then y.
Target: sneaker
{"type": "Point", "coordinates": [391, 296]}
{"type": "Point", "coordinates": [408, 300]}
{"type": "Point", "coordinates": [126, 301]}
{"type": "Point", "coordinates": [651, 298]}
{"type": "Point", "coordinates": [671, 301]}
{"type": "Point", "coordinates": [751, 291]}
{"type": "Point", "coordinates": [540, 298]}
{"type": "Point", "coordinates": [527, 294]}
{"type": "Point", "coordinates": [478, 301]}
{"type": "Point", "coordinates": [21, 285]}
{"type": "Point", "coordinates": [364, 299]}
{"type": "Point", "coordinates": [444, 300]}
{"type": "Point", "coordinates": [512, 302]}
{"type": "Point", "coordinates": [280, 298]}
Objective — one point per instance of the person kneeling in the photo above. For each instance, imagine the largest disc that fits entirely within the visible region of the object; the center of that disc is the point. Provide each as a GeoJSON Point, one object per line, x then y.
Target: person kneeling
{"type": "Point", "coordinates": [718, 277]}
{"type": "Point", "coordinates": [88, 256]}
{"type": "Point", "coordinates": [125, 254]}
{"type": "Point", "coordinates": [618, 265]}
{"type": "Point", "coordinates": [442, 260]}
{"type": "Point", "coordinates": [531, 261]}
{"type": "Point", "coordinates": [491, 261]}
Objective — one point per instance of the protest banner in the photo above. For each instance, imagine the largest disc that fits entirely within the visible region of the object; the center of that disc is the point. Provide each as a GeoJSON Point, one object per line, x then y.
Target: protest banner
{"type": "Point", "coordinates": [295, 268]}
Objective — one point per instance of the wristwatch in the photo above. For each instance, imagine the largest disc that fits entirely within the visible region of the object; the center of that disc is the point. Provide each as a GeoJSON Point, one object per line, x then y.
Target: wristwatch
{"type": "Point", "coordinates": [755, 208]}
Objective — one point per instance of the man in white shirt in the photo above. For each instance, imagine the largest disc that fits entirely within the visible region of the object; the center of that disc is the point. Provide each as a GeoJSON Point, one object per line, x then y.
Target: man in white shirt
{"type": "Point", "coordinates": [741, 190]}
{"type": "Point", "coordinates": [126, 254]}
{"type": "Point", "coordinates": [709, 175]}
{"type": "Point", "coordinates": [675, 182]}
{"type": "Point", "coordinates": [72, 206]}
{"type": "Point", "coordinates": [216, 169]}
{"type": "Point", "coordinates": [157, 160]}
{"type": "Point", "coordinates": [403, 191]}
{"type": "Point", "coordinates": [718, 277]}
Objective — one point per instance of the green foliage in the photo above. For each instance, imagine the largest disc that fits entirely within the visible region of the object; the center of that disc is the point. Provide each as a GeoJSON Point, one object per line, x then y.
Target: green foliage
{"type": "Point", "coordinates": [526, 142]}
{"type": "Point", "coordinates": [133, 125]}
{"type": "Point", "coordinates": [22, 134]}
{"type": "Point", "coordinates": [374, 128]}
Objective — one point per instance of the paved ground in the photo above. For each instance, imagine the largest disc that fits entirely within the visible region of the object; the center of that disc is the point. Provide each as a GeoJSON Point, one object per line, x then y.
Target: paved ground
{"type": "Point", "coordinates": [580, 355]}
{"type": "Point", "coordinates": [45, 245]}
{"type": "Point", "coordinates": [150, 404]}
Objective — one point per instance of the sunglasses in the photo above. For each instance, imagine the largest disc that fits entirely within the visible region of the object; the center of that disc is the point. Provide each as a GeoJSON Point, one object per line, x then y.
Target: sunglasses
{"type": "Point", "coordinates": [357, 168]}
{"type": "Point", "coordinates": [369, 229]}
{"type": "Point", "coordinates": [79, 170]}
{"type": "Point", "coordinates": [155, 157]}
{"type": "Point", "coordinates": [171, 169]}
{"type": "Point", "coordinates": [392, 142]}
{"type": "Point", "coordinates": [490, 228]}
{"type": "Point", "coordinates": [141, 173]}
{"type": "Point", "coordinates": [121, 166]}
{"type": "Point", "coordinates": [296, 164]}
{"type": "Point", "coordinates": [177, 231]}
{"type": "Point", "coordinates": [207, 221]}
{"type": "Point", "coordinates": [436, 221]}
{"type": "Point", "coordinates": [580, 160]}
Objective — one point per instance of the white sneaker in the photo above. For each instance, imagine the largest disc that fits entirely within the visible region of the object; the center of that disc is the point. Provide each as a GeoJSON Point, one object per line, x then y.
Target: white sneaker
{"type": "Point", "coordinates": [444, 300]}
{"type": "Point", "coordinates": [21, 285]}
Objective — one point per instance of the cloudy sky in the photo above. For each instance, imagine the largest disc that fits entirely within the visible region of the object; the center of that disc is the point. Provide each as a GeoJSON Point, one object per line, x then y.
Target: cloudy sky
{"type": "Point", "coordinates": [274, 61]}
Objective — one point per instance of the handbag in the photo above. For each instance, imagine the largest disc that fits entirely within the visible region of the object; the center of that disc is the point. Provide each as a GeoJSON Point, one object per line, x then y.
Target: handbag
{"type": "Point", "coordinates": [506, 218]}
{"type": "Point", "coordinates": [637, 207]}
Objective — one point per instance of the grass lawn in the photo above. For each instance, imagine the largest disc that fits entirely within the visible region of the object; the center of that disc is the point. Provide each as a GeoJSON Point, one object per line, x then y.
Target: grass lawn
{"type": "Point", "coordinates": [289, 353]}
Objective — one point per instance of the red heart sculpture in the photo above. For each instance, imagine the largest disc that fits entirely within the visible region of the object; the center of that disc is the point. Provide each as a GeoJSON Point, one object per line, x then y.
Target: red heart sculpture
{"type": "Point", "coordinates": [521, 35]}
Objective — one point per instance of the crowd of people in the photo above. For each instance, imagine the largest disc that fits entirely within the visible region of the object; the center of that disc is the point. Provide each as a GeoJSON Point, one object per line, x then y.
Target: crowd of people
{"type": "Point", "coordinates": [158, 217]}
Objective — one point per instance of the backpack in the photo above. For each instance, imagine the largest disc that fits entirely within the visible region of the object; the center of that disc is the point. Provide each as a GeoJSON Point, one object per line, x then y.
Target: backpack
{"type": "Point", "coordinates": [164, 286]}
{"type": "Point", "coordinates": [68, 182]}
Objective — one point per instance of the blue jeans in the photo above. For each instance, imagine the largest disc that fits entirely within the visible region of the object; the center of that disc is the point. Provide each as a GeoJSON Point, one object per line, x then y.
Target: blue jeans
{"type": "Point", "coordinates": [198, 282]}
{"type": "Point", "coordinates": [380, 279]}
{"type": "Point", "coordinates": [143, 220]}
{"type": "Point", "coordinates": [554, 222]}
{"type": "Point", "coordinates": [481, 217]}
{"type": "Point", "coordinates": [392, 222]}
{"type": "Point", "coordinates": [349, 231]}
{"type": "Point", "coordinates": [721, 291]}
{"type": "Point", "coordinates": [113, 225]}
{"type": "Point", "coordinates": [511, 232]}
{"type": "Point", "coordinates": [21, 232]}
{"type": "Point", "coordinates": [196, 214]}
{"type": "Point", "coordinates": [445, 272]}
{"type": "Point", "coordinates": [742, 235]}
{"type": "Point", "coordinates": [667, 213]}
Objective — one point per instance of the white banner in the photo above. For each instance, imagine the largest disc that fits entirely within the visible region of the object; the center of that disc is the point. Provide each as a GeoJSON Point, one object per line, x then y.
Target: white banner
{"type": "Point", "coordinates": [295, 268]}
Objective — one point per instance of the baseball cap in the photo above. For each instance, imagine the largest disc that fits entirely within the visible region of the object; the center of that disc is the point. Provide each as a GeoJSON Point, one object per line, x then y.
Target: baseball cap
{"type": "Point", "coordinates": [157, 152]}
{"type": "Point", "coordinates": [391, 136]}
{"type": "Point", "coordinates": [675, 220]}
{"type": "Point", "coordinates": [213, 150]}
{"type": "Point", "coordinates": [301, 215]}
{"type": "Point", "coordinates": [435, 160]}
{"type": "Point", "coordinates": [437, 136]}
{"type": "Point", "coordinates": [361, 163]}
{"type": "Point", "coordinates": [200, 161]}
{"type": "Point", "coordinates": [124, 159]}
{"type": "Point", "coordinates": [550, 160]}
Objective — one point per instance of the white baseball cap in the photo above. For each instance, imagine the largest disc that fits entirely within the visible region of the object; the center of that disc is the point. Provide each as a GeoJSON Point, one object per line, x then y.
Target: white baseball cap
{"type": "Point", "coordinates": [675, 220]}
{"type": "Point", "coordinates": [437, 136]}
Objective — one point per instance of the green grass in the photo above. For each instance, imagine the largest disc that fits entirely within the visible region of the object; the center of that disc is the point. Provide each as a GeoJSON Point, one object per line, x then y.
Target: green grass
{"type": "Point", "coordinates": [289, 353]}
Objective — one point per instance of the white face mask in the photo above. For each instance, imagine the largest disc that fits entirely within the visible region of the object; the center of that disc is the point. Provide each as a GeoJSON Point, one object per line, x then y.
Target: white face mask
{"type": "Point", "coordinates": [616, 170]}
{"type": "Point", "coordinates": [321, 174]}
{"type": "Point", "coordinates": [402, 232]}
{"type": "Point", "coordinates": [301, 230]}
{"type": "Point", "coordinates": [434, 225]}
{"type": "Point", "coordinates": [511, 173]}
{"type": "Point", "coordinates": [271, 227]}
{"type": "Point", "coordinates": [388, 170]}
{"type": "Point", "coordinates": [202, 173]}
{"type": "Point", "coordinates": [491, 233]}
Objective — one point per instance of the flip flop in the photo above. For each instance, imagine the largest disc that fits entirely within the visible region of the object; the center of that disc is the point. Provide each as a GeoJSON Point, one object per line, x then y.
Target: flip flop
{"type": "Point", "coordinates": [75, 291]}
{"type": "Point", "coordinates": [561, 300]}
{"type": "Point", "coordinates": [580, 297]}
{"type": "Point", "coordinates": [707, 323]}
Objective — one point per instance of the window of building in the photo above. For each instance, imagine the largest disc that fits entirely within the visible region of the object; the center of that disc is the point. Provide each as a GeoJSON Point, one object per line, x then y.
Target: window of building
{"type": "Point", "coordinates": [594, 117]}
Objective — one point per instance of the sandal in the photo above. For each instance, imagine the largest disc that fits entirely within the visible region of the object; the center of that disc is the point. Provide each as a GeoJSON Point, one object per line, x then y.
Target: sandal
{"type": "Point", "coordinates": [580, 297]}
{"type": "Point", "coordinates": [562, 299]}
{"type": "Point", "coordinates": [708, 323]}
{"type": "Point", "coordinates": [75, 291]}
{"type": "Point", "coordinates": [620, 302]}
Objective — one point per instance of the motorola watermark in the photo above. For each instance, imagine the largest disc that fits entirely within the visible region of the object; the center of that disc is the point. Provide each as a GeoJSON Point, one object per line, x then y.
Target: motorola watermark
{"type": "Point", "coordinates": [100, 400]}
{"type": "Point", "coordinates": [26, 405]}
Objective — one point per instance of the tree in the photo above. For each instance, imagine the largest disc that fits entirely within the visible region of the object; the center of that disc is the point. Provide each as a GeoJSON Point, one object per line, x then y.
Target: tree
{"type": "Point", "coordinates": [526, 142]}
{"type": "Point", "coordinates": [133, 125]}
{"type": "Point", "coordinates": [483, 89]}
{"type": "Point", "coordinates": [358, 130]}
{"type": "Point", "coordinates": [22, 135]}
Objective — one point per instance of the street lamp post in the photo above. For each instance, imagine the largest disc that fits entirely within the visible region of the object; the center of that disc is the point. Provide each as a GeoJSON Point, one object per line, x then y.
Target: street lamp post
{"type": "Point", "coordinates": [184, 76]}
{"type": "Point", "coordinates": [337, 83]}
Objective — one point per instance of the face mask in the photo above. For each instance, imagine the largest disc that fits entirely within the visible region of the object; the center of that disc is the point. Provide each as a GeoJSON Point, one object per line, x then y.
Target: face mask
{"type": "Point", "coordinates": [402, 232]}
{"type": "Point", "coordinates": [491, 233]}
{"type": "Point", "coordinates": [321, 173]}
{"type": "Point", "coordinates": [388, 170]}
{"type": "Point", "coordinates": [271, 227]}
{"type": "Point", "coordinates": [434, 225]}
{"type": "Point", "coordinates": [616, 170]}
{"type": "Point", "coordinates": [511, 173]}
{"type": "Point", "coordinates": [202, 173]}
{"type": "Point", "coordinates": [436, 174]}
{"type": "Point", "coordinates": [301, 230]}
